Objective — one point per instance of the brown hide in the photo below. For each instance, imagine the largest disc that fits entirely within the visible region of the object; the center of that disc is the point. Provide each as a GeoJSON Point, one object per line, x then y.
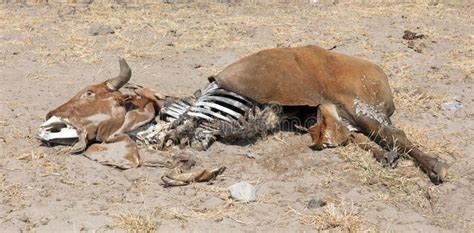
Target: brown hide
{"type": "Point", "coordinates": [308, 75]}
{"type": "Point", "coordinates": [329, 130]}
{"type": "Point", "coordinates": [357, 89]}
{"type": "Point", "coordinates": [101, 113]}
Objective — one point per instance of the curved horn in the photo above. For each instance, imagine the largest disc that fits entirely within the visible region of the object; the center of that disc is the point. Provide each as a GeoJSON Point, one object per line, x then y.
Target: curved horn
{"type": "Point", "coordinates": [123, 77]}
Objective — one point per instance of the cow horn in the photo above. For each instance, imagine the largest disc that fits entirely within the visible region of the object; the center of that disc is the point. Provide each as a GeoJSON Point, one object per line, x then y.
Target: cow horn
{"type": "Point", "coordinates": [123, 77]}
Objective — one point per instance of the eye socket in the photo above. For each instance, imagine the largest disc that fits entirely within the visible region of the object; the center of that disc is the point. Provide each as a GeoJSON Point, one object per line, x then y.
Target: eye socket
{"type": "Point", "coordinates": [88, 93]}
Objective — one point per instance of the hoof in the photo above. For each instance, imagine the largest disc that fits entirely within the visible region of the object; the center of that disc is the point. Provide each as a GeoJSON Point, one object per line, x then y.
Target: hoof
{"type": "Point", "coordinates": [389, 159]}
{"type": "Point", "coordinates": [438, 173]}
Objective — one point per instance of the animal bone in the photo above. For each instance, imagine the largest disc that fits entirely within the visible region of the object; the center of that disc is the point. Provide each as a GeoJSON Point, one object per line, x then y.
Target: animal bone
{"type": "Point", "coordinates": [57, 131]}
{"type": "Point", "coordinates": [179, 178]}
{"type": "Point", "coordinates": [215, 113]}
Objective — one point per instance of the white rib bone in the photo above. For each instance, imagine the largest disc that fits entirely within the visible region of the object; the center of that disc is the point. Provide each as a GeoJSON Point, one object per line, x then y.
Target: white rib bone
{"type": "Point", "coordinates": [183, 104]}
{"type": "Point", "coordinates": [210, 87]}
{"type": "Point", "coordinates": [172, 113]}
{"type": "Point", "coordinates": [170, 119]}
{"type": "Point", "coordinates": [199, 115]}
{"type": "Point", "coordinates": [176, 109]}
{"type": "Point", "coordinates": [230, 101]}
{"type": "Point", "coordinates": [225, 92]}
{"type": "Point", "coordinates": [208, 112]}
{"type": "Point", "coordinates": [219, 107]}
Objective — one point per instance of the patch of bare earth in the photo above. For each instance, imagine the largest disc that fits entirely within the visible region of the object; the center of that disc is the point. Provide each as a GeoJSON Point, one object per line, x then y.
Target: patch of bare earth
{"type": "Point", "coordinates": [47, 54]}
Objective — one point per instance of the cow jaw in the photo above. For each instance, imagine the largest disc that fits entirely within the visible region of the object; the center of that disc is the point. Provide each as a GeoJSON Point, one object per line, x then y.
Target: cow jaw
{"type": "Point", "coordinates": [56, 131]}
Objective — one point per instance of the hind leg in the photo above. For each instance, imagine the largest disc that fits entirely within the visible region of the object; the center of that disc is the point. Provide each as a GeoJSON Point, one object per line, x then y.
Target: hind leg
{"type": "Point", "coordinates": [394, 138]}
{"type": "Point", "coordinates": [386, 158]}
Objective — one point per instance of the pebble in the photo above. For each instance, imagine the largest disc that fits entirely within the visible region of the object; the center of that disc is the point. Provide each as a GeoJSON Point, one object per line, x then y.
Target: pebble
{"type": "Point", "coordinates": [243, 191]}
{"type": "Point", "coordinates": [100, 29]}
{"type": "Point", "coordinates": [451, 106]}
{"type": "Point", "coordinates": [316, 203]}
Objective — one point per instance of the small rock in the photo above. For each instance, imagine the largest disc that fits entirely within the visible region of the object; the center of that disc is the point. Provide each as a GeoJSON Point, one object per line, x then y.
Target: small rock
{"type": "Point", "coordinates": [44, 220]}
{"type": "Point", "coordinates": [451, 106]}
{"type": "Point", "coordinates": [24, 218]}
{"type": "Point", "coordinates": [243, 191]}
{"type": "Point", "coordinates": [316, 203]}
{"type": "Point", "coordinates": [100, 29]}
{"type": "Point", "coordinates": [409, 35]}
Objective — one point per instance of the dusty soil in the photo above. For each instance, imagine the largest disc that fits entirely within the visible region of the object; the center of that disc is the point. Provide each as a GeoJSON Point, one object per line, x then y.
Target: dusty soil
{"type": "Point", "coordinates": [47, 54]}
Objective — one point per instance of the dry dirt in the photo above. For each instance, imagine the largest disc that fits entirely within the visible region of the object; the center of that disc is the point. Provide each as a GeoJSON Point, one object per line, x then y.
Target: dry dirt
{"type": "Point", "coordinates": [47, 54]}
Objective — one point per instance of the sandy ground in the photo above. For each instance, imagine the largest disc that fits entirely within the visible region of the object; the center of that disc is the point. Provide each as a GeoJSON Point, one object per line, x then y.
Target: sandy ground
{"type": "Point", "coordinates": [47, 54]}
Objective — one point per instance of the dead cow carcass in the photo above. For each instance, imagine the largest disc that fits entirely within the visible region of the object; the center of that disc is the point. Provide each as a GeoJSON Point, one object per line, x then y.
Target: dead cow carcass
{"type": "Point", "coordinates": [345, 99]}
{"type": "Point", "coordinates": [340, 98]}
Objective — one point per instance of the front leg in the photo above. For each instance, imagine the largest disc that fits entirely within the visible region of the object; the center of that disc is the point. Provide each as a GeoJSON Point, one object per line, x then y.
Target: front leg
{"type": "Point", "coordinates": [386, 158]}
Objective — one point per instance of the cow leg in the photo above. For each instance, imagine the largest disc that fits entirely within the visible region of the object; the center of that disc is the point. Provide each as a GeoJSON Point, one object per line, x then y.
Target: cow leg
{"type": "Point", "coordinates": [387, 158]}
{"type": "Point", "coordinates": [395, 138]}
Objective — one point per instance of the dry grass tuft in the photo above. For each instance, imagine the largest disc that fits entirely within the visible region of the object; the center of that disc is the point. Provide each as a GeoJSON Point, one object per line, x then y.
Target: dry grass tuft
{"type": "Point", "coordinates": [463, 61]}
{"type": "Point", "coordinates": [220, 192]}
{"type": "Point", "coordinates": [14, 192]}
{"type": "Point", "coordinates": [138, 222]}
{"type": "Point", "coordinates": [191, 207]}
{"type": "Point", "coordinates": [418, 136]}
{"type": "Point", "coordinates": [403, 185]}
{"type": "Point", "coordinates": [184, 213]}
{"type": "Point", "coordinates": [373, 172]}
{"type": "Point", "coordinates": [333, 217]}
{"type": "Point", "coordinates": [409, 99]}
{"type": "Point", "coordinates": [32, 155]}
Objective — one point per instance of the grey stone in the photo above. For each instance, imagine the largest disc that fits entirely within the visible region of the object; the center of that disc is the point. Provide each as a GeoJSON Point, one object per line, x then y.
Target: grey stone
{"type": "Point", "coordinates": [451, 106]}
{"type": "Point", "coordinates": [316, 203]}
{"type": "Point", "coordinates": [243, 191]}
{"type": "Point", "coordinates": [100, 29]}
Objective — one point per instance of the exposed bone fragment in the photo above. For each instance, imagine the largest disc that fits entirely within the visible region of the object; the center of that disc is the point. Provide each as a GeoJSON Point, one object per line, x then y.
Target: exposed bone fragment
{"type": "Point", "coordinates": [57, 131]}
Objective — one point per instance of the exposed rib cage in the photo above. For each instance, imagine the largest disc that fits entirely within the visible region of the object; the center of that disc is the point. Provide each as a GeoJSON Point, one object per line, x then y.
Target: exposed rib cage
{"type": "Point", "coordinates": [214, 113]}
{"type": "Point", "coordinates": [215, 104]}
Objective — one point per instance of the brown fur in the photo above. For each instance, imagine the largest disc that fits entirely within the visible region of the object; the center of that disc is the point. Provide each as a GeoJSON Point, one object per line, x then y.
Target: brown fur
{"type": "Point", "coordinates": [101, 114]}
{"type": "Point", "coordinates": [314, 76]}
